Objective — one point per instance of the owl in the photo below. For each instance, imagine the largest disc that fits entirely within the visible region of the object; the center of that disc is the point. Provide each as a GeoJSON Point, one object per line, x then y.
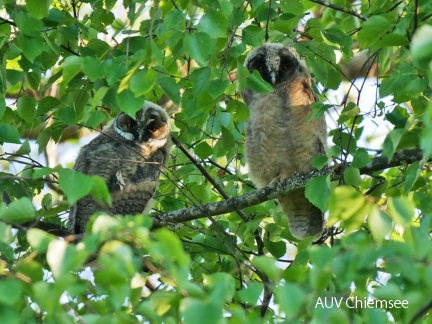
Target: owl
{"type": "Point", "coordinates": [129, 154]}
{"type": "Point", "coordinates": [279, 139]}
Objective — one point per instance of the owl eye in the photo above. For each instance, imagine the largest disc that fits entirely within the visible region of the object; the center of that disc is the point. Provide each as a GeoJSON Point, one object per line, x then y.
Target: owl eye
{"type": "Point", "coordinates": [261, 68]}
{"type": "Point", "coordinates": [129, 125]}
{"type": "Point", "coordinates": [283, 68]}
{"type": "Point", "coordinates": [153, 129]}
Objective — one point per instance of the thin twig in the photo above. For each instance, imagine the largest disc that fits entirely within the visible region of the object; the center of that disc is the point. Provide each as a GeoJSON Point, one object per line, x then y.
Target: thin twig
{"type": "Point", "coordinates": [339, 8]}
{"type": "Point", "coordinates": [267, 22]}
{"type": "Point", "coordinates": [205, 173]}
{"type": "Point", "coordinates": [422, 312]}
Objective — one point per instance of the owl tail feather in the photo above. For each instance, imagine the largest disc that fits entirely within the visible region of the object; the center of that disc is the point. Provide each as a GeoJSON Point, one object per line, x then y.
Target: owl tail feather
{"type": "Point", "coordinates": [304, 219]}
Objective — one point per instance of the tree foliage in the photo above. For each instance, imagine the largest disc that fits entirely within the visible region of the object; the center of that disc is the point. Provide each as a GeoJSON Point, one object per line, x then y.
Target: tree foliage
{"type": "Point", "coordinates": [70, 66]}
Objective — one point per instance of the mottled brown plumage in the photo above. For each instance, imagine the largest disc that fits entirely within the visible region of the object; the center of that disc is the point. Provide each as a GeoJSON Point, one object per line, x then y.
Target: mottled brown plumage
{"type": "Point", "coordinates": [279, 140]}
{"type": "Point", "coordinates": [129, 155]}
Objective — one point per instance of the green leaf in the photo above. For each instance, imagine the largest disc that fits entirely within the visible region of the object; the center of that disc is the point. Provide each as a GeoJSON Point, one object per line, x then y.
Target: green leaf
{"type": "Point", "coordinates": [391, 142]}
{"type": "Point", "coordinates": [18, 211]}
{"type": "Point", "coordinates": [100, 191]}
{"type": "Point", "coordinates": [67, 115]}
{"type": "Point", "coordinates": [360, 159]}
{"type": "Point", "coordinates": [74, 184]}
{"type": "Point", "coordinates": [411, 175]}
{"type": "Point", "coordinates": [129, 103]}
{"type": "Point", "coordinates": [196, 311]}
{"type": "Point", "coordinates": [425, 141]}
{"type": "Point", "coordinates": [71, 67]}
{"type": "Point", "coordinates": [24, 149]}
{"type": "Point", "coordinates": [12, 290]}
{"type": "Point", "coordinates": [401, 210]}
{"type": "Point", "coordinates": [268, 266]}
{"type": "Point", "coordinates": [142, 82]}
{"type": "Point", "coordinates": [63, 258]}
{"type": "Point", "coordinates": [251, 293]}
{"type": "Point", "coordinates": [290, 298]}
{"type": "Point", "coordinates": [421, 45]}
{"type": "Point", "coordinates": [47, 104]}
{"type": "Point", "coordinates": [348, 206]}
{"type": "Point", "coordinates": [30, 268]}
{"type": "Point", "coordinates": [203, 150]}
{"type": "Point", "coordinates": [38, 8]}
{"type": "Point", "coordinates": [238, 110]}
{"type": "Point", "coordinates": [28, 25]}
{"type": "Point", "coordinates": [253, 35]}
{"type": "Point", "coordinates": [222, 287]}
{"type": "Point", "coordinates": [337, 36]}
{"type": "Point", "coordinates": [372, 30]}
{"type": "Point", "coordinates": [39, 239]}
{"type": "Point", "coordinates": [27, 108]}
{"type": "Point", "coordinates": [124, 83]}
{"type": "Point", "coordinates": [318, 191]}
{"type": "Point", "coordinates": [31, 47]}
{"type": "Point", "coordinates": [398, 117]}
{"type": "Point", "coordinates": [352, 177]}
{"type": "Point", "coordinates": [199, 46]}
{"type": "Point", "coordinates": [257, 83]}
{"type": "Point", "coordinates": [96, 119]}
{"type": "Point", "coordinates": [2, 106]}
{"type": "Point", "coordinates": [277, 249]}
{"type": "Point", "coordinates": [98, 97]}
{"type": "Point", "coordinates": [92, 67]}
{"type": "Point", "coordinates": [379, 223]}
{"type": "Point", "coordinates": [403, 83]}
{"type": "Point", "coordinates": [349, 112]}
{"type": "Point", "coordinates": [320, 161]}
{"type": "Point", "coordinates": [171, 88]}
{"type": "Point", "coordinates": [214, 23]}
{"type": "Point", "coordinates": [104, 224]}
{"type": "Point", "coordinates": [9, 134]}
{"type": "Point", "coordinates": [325, 73]}
{"type": "Point", "coordinates": [217, 88]}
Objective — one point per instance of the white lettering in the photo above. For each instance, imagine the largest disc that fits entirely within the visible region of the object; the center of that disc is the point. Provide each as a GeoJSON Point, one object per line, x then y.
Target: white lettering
{"type": "Point", "coordinates": [319, 302]}
{"type": "Point", "coordinates": [328, 302]}
{"type": "Point", "coordinates": [338, 304]}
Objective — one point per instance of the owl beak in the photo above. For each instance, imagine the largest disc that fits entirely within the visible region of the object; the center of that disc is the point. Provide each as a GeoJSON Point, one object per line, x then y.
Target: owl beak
{"type": "Point", "coordinates": [273, 78]}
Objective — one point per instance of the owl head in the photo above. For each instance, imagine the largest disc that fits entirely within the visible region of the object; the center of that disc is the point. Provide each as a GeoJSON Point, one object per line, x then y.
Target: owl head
{"type": "Point", "coordinates": [276, 63]}
{"type": "Point", "coordinates": [151, 123]}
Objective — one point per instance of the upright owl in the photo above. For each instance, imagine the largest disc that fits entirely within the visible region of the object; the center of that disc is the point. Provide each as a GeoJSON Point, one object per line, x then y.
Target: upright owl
{"type": "Point", "coordinates": [279, 139]}
{"type": "Point", "coordinates": [129, 155]}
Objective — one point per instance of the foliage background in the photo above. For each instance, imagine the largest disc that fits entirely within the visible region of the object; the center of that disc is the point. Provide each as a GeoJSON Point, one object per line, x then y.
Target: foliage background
{"type": "Point", "coordinates": [70, 66]}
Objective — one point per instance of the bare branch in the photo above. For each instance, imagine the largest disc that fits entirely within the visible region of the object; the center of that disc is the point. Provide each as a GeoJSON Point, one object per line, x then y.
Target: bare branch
{"type": "Point", "coordinates": [339, 8]}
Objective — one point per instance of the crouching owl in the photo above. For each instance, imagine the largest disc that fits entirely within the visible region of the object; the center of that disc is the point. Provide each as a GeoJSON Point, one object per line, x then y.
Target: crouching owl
{"type": "Point", "coordinates": [129, 155]}
{"type": "Point", "coordinates": [279, 139]}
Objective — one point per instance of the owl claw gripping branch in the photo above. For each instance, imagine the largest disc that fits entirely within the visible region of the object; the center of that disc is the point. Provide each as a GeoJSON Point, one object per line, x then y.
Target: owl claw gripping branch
{"type": "Point", "coordinates": [279, 139]}
{"type": "Point", "coordinates": [129, 155]}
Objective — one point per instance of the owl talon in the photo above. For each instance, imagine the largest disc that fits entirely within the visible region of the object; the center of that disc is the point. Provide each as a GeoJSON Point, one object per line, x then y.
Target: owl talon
{"type": "Point", "coordinates": [275, 180]}
{"type": "Point", "coordinates": [120, 180]}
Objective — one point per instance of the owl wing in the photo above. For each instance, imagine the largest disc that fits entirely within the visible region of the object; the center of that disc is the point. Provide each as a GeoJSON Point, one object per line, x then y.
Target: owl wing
{"type": "Point", "coordinates": [96, 158]}
{"type": "Point", "coordinates": [131, 180]}
{"type": "Point", "coordinates": [247, 96]}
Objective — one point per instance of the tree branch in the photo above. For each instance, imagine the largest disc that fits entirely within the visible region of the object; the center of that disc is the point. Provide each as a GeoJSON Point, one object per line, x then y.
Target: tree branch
{"type": "Point", "coordinates": [339, 8]}
{"type": "Point", "coordinates": [254, 197]}
{"type": "Point", "coordinates": [276, 190]}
